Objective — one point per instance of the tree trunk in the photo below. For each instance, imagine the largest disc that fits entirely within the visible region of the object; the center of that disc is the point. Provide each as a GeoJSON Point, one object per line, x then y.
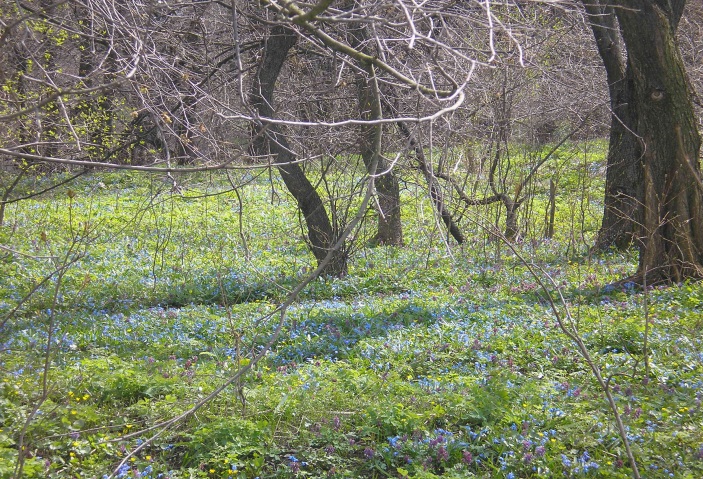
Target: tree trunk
{"type": "Point", "coordinates": [95, 114]}
{"type": "Point", "coordinates": [511, 226]}
{"type": "Point", "coordinates": [624, 182]}
{"type": "Point", "coordinates": [669, 143]}
{"type": "Point", "coordinates": [187, 98]}
{"type": "Point", "coordinates": [435, 192]}
{"type": "Point", "coordinates": [268, 140]}
{"type": "Point", "coordinates": [390, 226]}
{"type": "Point", "coordinates": [551, 209]}
{"type": "Point", "coordinates": [624, 179]}
{"type": "Point", "coordinates": [185, 150]}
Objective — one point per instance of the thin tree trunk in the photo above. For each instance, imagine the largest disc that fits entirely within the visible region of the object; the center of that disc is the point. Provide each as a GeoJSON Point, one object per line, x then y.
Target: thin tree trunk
{"type": "Point", "coordinates": [96, 115]}
{"type": "Point", "coordinates": [268, 140]}
{"type": "Point", "coordinates": [551, 209]}
{"type": "Point", "coordinates": [435, 192]}
{"type": "Point", "coordinates": [185, 149]}
{"type": "Point", "coordinates": [390, 226]}
{"type": "Point", "coordinates": [672, 248]}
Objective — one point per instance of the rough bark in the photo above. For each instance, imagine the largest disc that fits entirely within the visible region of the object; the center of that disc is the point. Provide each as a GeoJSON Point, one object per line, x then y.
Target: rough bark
{"type": "Point", "coordinates": [669, 143]}
{"type": "Point", "coordinates": [622, 223]}
{"type": "Point", "coordinates": [268, 140]}
{"type": "Point", "coordinates": [624, 183]}
{"type": "Point", "coordinates": [390, 226]}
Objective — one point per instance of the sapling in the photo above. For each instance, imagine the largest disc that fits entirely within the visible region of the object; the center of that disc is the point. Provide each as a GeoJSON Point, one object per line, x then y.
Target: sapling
{"type": "Point", "coordinates": [565, 322]}
{"type": "Point", "coordinates": [62, 262]}
{"type": "Point", "coordinates": [281, 311]}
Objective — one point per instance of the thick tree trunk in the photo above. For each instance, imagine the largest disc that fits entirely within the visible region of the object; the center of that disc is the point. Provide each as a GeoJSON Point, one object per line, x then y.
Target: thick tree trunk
{"type": "Point", "coordinates": [624, 179]}
{"type": "Point", "coordinates": [390, 226]}
{"type": "Point", "coordinates": [624, 185]}
{"type": "Point", "coordinates": [624, 182]}
{"type": "Point", "coordinates": [669, 143]}
{"type": "Point", "coordinates": [268, 140]}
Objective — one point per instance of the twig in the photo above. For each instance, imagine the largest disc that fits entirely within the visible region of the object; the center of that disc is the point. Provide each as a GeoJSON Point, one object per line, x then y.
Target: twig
{"type": "Point", "coordinates": [570, 331]}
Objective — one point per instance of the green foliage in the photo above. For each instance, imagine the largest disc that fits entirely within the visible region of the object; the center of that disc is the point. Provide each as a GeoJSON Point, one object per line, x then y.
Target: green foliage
{"type": "Point", "coordinates": [228, 445]}
{"type": "Point", "coordinates": [417, 364]}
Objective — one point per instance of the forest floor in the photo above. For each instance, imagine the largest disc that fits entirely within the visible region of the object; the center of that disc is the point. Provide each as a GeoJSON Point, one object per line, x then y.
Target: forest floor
{"type": "Point", "coordinates": [125, 304]}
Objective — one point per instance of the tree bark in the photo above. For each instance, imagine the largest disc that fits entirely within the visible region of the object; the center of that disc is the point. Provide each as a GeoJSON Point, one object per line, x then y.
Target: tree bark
{"type": "Point", "coordinates": [390, 226]}
{"type": "Point", "coordinates": [623, 213]}
{"type": "Point", "coordinates": [431, 179]}
{"type": "Point", "coordinates": [624, 182]}
{"type": "Point", "coordinates": [669, 143]}
{"type": "Point", "coordinates": [268, 140]}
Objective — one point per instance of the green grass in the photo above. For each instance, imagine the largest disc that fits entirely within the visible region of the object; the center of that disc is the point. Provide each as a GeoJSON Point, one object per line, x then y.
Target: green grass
{"type": "Point", "coordinates": [423, 362]}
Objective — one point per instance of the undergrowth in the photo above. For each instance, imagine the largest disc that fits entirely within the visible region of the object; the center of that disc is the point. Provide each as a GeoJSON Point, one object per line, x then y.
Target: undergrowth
{"type": "Point", "coordinates": [424, 361]}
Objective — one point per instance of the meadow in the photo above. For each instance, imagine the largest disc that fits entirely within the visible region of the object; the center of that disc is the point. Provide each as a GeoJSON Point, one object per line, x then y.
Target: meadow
{"type": "Point", "coordinates": [124, 302]}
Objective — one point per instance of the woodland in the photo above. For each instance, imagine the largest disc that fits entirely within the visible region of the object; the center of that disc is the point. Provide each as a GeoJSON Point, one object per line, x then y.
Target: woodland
{"type": "Point", "coordinates": [351, 239]}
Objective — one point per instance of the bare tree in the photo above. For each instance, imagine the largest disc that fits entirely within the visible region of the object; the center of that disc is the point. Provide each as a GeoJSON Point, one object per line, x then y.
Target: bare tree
{"type": "Point", "coordinates": [669, 143]}
{"type": "Point", "coordinates": [390, 229]}
{"type": "Point", "coordinates": [269, 140]}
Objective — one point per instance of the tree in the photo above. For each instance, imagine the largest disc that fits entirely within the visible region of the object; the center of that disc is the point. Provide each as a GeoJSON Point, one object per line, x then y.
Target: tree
{"type": "Point", "coordinates": [668, 142]}
{"type": "Point", "coordinates": [390, 227]}
{"type": "Point", "coordinates": [268, 140]}
{"type": "Point", "coordinates": [622, 215]}
{"type": "Point", "coordinates": [622, 223]}
{"type": "Point", "coordinates": [433, 185]}
{"type": "Point", "coordinates": [179, 72]}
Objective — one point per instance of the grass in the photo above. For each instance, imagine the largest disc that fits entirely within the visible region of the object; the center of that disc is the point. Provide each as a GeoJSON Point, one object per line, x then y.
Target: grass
{"type": "Point", "coordinates": [423, 362]}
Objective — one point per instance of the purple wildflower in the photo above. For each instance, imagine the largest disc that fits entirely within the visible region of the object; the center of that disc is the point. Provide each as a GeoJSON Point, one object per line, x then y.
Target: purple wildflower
{"type": "Point", "coordinates": [442, 454]}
